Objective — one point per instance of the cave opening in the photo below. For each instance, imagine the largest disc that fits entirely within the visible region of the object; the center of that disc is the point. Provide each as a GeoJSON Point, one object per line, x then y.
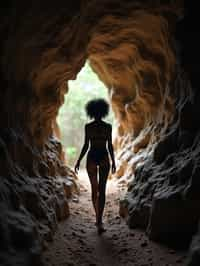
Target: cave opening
{"type": "Point", "coordinates": [72, 117]}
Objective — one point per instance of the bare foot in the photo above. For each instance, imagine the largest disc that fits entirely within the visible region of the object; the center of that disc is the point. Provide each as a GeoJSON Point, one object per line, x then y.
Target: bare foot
{"type": "Point", "coordinates": [96, 224]}
{"type": "Point", "coordinates": [100, 229]}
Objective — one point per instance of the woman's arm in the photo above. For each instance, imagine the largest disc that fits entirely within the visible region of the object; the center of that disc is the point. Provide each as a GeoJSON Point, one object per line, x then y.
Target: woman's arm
{"type": "Point", "coordinates": [83, 151]}
{"type": "Point", "coordinates": [110, 148]}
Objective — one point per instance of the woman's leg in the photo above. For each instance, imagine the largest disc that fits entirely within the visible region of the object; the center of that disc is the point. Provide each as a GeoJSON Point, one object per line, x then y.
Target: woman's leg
{"type": "Point", "coordinates": [92, 173]}
{"type": "Point", "coordinates": [104, 169]}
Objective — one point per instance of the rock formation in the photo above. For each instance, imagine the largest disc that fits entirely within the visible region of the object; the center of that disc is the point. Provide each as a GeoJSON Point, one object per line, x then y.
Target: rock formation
{"type": "Point", "coordinates": [140, 50]}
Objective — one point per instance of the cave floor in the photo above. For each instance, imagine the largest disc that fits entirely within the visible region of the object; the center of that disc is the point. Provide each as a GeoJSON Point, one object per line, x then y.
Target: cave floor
{"type": "Point", "coordinates": [76, 241]}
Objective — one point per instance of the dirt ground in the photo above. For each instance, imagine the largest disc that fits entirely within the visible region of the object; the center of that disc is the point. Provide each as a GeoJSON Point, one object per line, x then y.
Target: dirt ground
{"type": "Point", "coordinates": [77, 242]}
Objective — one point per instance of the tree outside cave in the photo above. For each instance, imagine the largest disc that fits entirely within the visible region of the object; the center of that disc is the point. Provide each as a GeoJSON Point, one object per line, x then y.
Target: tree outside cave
{"type": "Point", "coordinates": [72, 117]}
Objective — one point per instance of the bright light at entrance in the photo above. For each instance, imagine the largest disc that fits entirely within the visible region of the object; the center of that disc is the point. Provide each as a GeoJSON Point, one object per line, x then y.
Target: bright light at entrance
{"type": "Point", "coordinates": [72, 117]}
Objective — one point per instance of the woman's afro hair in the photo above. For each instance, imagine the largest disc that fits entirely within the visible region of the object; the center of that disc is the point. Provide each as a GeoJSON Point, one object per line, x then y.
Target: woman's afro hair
{"type": "Point", "coordinates": [97, 108]}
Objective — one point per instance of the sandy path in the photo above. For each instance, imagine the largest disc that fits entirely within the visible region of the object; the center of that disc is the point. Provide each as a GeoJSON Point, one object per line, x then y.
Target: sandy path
{"type": "Point", "coordinates": [77, 243]}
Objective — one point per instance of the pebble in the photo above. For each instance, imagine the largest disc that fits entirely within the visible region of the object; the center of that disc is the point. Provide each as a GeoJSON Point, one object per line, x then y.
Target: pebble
{"type": "Point", "coordinates": [144, 244]}
{"type": "Point", "coordinates": [179, 260]}
{"type": "Point", "coordinates": [81, 241]}
{"type": "Point", "coordinates": [171, 251]}
{"type": "Point", "coordinates": [149, 250]}
{"type": "Point", "coordinates": [123, 250]}
{"type": "Point", "coordinates": [76, 200]}
{"type": "Point", "coordinates": [74, 234]}
{"type": "Point", "coordinates": [115, 236]}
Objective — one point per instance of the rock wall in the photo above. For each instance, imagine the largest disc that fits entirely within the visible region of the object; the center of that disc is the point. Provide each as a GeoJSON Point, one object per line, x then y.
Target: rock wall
{"type": "Point", "coordinates": [35, 184]}
{"type": "Point", "coordinates": [133, 47]}
{"type": "Point", "coordinates": [163, 197]}
{"type": "Point", "coordinates": [133, 54]}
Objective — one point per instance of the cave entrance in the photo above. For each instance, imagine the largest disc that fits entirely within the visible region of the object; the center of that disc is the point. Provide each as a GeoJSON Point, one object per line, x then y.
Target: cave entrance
{"type": "Point", "coordinates": [136, 61]}
{"type": "Point", "coordinates": [72, 117]}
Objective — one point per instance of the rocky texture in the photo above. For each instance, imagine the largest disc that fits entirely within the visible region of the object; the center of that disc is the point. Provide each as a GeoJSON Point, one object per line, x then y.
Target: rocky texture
{"type": "Point", "coordinates": [194, 257]}
{"type": "Point", "coordinates": [33, 199]}
{"type": "Point", "coordinates": [152, 85]}
{"type": "Point", "coordinates": [164, 198]}
{"type": "Point", "coordinates": [34, 182]}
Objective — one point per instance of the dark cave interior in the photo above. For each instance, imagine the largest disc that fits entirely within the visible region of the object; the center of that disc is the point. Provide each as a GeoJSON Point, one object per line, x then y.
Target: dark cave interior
{"type": "Point", "coordinates": [147, 55]}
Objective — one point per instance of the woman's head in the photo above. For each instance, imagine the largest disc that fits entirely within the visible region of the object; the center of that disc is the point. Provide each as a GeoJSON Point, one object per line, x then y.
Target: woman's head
{"type": "Point", "coordinates": [97, 108]}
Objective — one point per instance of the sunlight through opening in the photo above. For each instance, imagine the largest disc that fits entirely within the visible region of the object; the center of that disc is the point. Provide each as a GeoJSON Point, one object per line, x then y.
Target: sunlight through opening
{"type": "Point", "coordinates": [72, 117]}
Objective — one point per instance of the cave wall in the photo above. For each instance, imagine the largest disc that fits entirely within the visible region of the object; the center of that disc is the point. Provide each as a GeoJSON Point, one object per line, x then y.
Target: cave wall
{"type": "Point", "coordinates": [132, 51]}
{"type": "Point", "coordinates": [133, 47]}
{"type": "Point", "coordinates": [163, 198]}
{"type": "Point", "coordinates": [187, 32]}
{"type": "Point", "coordinates": [35, 183]}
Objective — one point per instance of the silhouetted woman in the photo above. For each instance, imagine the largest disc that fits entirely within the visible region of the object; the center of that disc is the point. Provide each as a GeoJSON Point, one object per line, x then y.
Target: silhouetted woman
{"type": "Point", "coordinates": [99, 135]}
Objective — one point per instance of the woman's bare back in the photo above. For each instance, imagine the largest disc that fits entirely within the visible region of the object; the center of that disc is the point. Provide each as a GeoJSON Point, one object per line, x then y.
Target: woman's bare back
{"type": "Point", "coordinates": [98, 134]}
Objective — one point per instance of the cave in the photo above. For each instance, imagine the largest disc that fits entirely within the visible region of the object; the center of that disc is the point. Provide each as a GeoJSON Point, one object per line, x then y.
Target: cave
{"type": "Point", "coordinates": [147, 55]}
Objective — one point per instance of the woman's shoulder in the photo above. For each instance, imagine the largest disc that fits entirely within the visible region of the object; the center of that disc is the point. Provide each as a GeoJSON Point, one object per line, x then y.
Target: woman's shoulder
{"type": "Point", "coordinates": [89, 125]}
{"type": "Point", "coordinates": [107, 125]}
{"type": "Point", "coordinates": [103, 123]}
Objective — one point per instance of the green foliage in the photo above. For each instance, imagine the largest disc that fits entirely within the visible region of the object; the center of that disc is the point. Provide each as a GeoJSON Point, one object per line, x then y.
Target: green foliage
{"type": "Point", "coordinates": [71, 153]}
{"type": "Point", "coordinates": [72, 116]}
